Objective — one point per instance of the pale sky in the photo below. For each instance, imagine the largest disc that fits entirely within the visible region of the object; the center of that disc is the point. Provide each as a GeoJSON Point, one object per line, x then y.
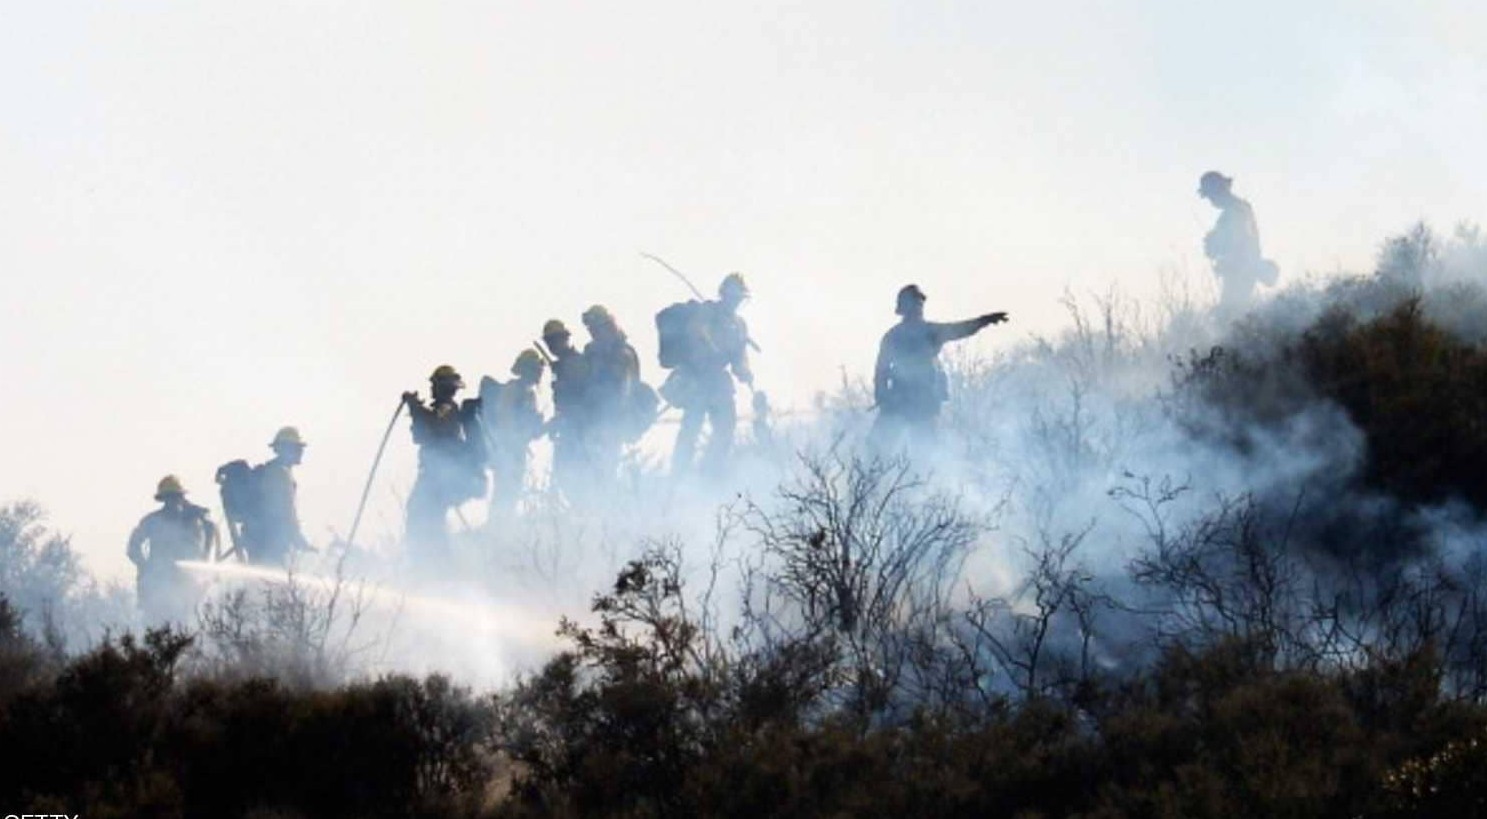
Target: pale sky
{"type": "Point", "coordinates": [219, 218]}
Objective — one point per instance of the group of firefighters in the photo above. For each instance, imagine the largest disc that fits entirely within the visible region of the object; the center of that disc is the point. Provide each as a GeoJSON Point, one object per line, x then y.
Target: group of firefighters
{"type": "Point", "coordinates": [600, 405]}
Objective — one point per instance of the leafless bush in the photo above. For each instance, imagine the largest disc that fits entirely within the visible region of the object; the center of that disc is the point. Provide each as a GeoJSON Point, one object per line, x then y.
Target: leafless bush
{"type": "Point", "coordinates": [1224, 575]}
{"type": "Point", "coordinates": [861, 554]}
{"type": "Point", "coordinates": [1431, 607]}
{"type": "Point", "coordinates": [648, 596]}
{"type": "Point", "coordinates": [1236, 574]}
{"type": "Point", "coordinates": [1040, 639]}
{"type": "Point", "coordinates": [302, 631]}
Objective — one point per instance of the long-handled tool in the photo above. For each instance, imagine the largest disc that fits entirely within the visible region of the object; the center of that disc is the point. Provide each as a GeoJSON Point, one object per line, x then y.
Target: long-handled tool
{"type": "Point", "coordinates": [677, 273]}
{"type": "Point", "coordinates": [367, 490]}
{"type": "Point", "coordinates": [698, 293]}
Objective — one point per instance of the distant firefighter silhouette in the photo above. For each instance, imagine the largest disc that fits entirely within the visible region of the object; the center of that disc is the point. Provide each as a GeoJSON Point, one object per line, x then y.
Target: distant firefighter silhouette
{"type": "Point", "coordinates": [1233, 246]}
{"type": "Point", "coordinates": [510, 417]}
{"type": "Point", "coordinates": [909, 385]}
{"type": "Point", "coordinates": [705, 344]}
{"type": "Point", "coordinates": [571, 416]}
{"type": "Point", "coordinates": [451, 460]}
{"type": "Point", "coordinates": [261, 503]}
{"type": "Point", "coordinates": [177, 531]}
{"type": "Point", "coordinates": [613, 371]}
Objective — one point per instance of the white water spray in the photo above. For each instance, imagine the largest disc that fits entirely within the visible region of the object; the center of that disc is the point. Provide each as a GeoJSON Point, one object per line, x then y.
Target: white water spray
{"type": "Point", "coordinates": [514, 627]}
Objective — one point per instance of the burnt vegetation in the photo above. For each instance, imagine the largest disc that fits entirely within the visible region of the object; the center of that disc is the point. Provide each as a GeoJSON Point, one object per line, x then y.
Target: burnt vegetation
{"type": "Point", "coordinates": [1306, 650]}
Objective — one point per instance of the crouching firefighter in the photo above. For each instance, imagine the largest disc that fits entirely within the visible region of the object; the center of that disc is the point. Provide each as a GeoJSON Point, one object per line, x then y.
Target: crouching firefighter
{"type": "Point", "coordinates": [177, 531]}
{"type": "Point", "coordinates": [261, 504]}
{"type": "Point", "coordinates": [451, 460]}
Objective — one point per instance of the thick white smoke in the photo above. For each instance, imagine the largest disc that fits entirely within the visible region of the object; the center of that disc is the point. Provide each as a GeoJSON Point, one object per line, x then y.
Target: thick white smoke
{"type": "Point", "coordinates": [1059, 438]}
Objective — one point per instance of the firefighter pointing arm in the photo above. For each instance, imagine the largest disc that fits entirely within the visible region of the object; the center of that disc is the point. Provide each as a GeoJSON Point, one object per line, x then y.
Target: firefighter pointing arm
{"type": "Point", "coordinates": [909, 385]}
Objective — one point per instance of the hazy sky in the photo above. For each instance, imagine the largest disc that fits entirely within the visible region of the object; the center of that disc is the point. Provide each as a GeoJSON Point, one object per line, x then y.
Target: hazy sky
{"type": "Point", "coordinates": [218, 218]}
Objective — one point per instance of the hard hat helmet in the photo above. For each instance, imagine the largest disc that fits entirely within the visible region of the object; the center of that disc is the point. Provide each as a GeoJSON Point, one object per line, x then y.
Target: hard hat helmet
{"type": "Point", "coordinates": [734, 283]}
{"type": "Point", "coordinates": [554, 327]}
{"type": "Point", "coordinates": [1214, 182]}
{"type": "Point", "coordinates": [169, 485]}
{"type": "Point", "coordinates": [445, 372]}
{"type": "Point", "coordinates": [595, 314]}
{"type": "Point", "coordinates": [288, 436]}
{"type": "Point", "coordinates": [527, 361]}
{"type": "Point", "coordinates": [906, 295]}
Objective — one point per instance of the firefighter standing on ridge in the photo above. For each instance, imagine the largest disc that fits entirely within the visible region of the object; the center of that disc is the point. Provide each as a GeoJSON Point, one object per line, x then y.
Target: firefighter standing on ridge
{"type": "Point", "coordinates": [177, 531]}
{"type": "Point", "coordinates": [510, 415]}
{"type": "Point", "coordinates": [451, 459]}
{"type": "Point", "coordinates": [613, 380]}
{"type": "Point", "coordinates": [702, 341]}
{"type": "Point", "coordinates": [909, 385]}
{"type": "Point", "coordinates": [1233, 246]}
{"type": "Point", "coordinates": [570, 406]}
{"type": "Point", "coordinates": [271, 533]}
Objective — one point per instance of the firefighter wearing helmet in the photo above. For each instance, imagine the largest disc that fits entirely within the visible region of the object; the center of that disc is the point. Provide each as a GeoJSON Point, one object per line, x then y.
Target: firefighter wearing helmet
{"type": "Point", "coordinates": [451, 460]}
{"type": "Point", "coordinates": [571, 418]}
{"type": "Point", "coordinates": [909, 385]}
{"type": "Point", "coordinates": [613, 389]}
{"type": "Point", "coordinates": [273, 535]}
{"type": "Point", "coordinates": [509, 413]}
{"type": "Point", "coordinates": [706, 345]}
{"type": "Point", "coordinates": [1233, 245]}
{"type": "Point", "coordinates": [177, 531]}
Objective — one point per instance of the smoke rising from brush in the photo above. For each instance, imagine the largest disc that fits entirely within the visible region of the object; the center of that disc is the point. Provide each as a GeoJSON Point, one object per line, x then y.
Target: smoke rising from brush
{"type": "Point", "coordinates": [226, 225]}
{"type": "Point", "coordinates": [1135, 420]}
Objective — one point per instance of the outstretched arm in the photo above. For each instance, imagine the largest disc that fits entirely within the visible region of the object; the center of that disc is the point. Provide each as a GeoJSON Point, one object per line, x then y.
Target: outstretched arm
{"type": "Point", "coordinates": [954, 331]}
